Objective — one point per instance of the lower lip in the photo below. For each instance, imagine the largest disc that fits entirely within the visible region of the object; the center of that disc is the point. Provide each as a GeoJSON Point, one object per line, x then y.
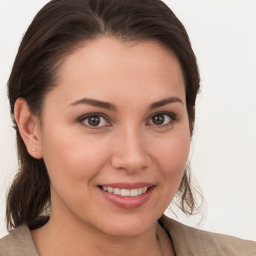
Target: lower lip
{"type": "Point", "coordinates": [128, 202]}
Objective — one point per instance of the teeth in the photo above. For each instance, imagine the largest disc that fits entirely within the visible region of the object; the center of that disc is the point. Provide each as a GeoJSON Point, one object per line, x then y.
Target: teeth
{"type": "Point", "coordinates": [144, 190]}
{"type": "Point", "coordinates": [117, 191]}
{"type": "Point", "coordinates": [126, 192]}
{"type": "Point", "coordinates": [110, 190]}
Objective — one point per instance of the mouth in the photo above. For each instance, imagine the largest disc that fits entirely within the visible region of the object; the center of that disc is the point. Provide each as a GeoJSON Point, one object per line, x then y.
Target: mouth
{"type": "Point", "coordinates": [127, 196]}
{"type": "Point", "coordinates": [125, 192]}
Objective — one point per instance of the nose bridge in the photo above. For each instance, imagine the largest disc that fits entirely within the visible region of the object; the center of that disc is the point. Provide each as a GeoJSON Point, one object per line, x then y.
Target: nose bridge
{"type": "Point", "coordinates": [130, 152]}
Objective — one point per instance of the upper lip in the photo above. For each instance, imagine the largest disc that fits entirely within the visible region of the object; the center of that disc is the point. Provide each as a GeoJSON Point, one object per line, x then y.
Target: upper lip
{"type": "Point", "coordinates": [126, 185]}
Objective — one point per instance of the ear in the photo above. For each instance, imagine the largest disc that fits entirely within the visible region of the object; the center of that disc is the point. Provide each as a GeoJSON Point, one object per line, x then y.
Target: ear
{"type": "Point", "coordinates": [29, 128]}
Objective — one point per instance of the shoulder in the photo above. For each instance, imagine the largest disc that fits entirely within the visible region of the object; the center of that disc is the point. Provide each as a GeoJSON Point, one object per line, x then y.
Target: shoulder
{"type": "Point", "coordinates": [192, 241]}
{"type": "Point", "coordinates": [18, 243]}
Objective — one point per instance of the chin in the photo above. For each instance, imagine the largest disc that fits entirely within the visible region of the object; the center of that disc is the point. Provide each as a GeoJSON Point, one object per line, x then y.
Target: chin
{"type": "Point", "coordinates": [127, 226]}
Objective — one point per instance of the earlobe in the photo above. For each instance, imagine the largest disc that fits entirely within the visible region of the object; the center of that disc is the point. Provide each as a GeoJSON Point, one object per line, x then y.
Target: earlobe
{"type": "Point", "coordinates": [29, 127]}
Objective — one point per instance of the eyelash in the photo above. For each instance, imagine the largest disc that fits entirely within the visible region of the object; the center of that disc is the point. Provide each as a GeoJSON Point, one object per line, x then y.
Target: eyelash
{"type": "Point", "coordinates": [97, 115]}
{"type": "Point", "coordinates": [82, 119]}
{"type": "Point", "coordinates": [172, 117]}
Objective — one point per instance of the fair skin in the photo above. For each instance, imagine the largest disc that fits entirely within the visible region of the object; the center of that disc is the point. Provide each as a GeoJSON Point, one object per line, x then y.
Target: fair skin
{"type": "Point", "coordinates": [117, 118]}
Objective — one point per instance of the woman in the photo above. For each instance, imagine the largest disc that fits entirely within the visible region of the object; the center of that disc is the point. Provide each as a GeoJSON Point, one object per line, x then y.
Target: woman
{"type": "Point", "coordinates": [102, 94]}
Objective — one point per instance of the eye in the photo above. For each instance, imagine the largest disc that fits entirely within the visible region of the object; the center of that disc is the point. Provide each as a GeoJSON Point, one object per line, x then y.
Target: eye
{"type": "Point", "coordinates": [161, 119]}
{"type": "Point", "coordinates": [94, 121]}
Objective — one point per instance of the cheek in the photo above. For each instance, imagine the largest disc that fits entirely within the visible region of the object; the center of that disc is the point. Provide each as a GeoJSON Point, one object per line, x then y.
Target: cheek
{"type": "Point", "coordinates": [72, 158]}
{"type": "Point", "coordinates": [172, 159]}
{"type": "Point", "coordinates": [173, 154]}
{"type": "Point", "coordinates": [73, 163]}
{"type": "Point", "coordinates": [177, 155]}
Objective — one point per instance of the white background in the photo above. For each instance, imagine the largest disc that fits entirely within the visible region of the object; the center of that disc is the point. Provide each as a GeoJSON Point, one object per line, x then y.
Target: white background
{"type": "Point", "coordinates": [223, 35]}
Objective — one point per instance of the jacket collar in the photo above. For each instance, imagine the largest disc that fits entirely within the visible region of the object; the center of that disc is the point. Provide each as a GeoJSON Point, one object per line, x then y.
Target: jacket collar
{"type": "Point", "coordinates": [187, 240]}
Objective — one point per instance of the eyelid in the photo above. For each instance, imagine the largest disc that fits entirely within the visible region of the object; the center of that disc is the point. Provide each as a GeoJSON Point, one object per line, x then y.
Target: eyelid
{"type": "Point", "coordinates": [84, 117]}
{"type": "Point", "coordinates": [170, 114]}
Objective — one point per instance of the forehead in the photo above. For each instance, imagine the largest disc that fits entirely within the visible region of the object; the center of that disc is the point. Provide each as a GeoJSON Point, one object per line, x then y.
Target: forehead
{"type": "Point", "coordinates": [109, 67]}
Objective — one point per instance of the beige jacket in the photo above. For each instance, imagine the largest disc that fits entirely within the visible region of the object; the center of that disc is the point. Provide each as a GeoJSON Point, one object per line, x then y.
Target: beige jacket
{"type": "Point", "coordinates": [187, 241]}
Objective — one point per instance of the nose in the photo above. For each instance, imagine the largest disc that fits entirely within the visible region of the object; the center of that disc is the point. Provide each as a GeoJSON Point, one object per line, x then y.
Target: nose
{"type": "Point", "coordinates": [130, 151]}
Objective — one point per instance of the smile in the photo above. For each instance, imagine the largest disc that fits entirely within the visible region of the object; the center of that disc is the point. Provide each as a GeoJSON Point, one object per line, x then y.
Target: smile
{"type": "Point", "coordinates": [125, 192]}
{"type": "Point", "coordinates": [127, 195]}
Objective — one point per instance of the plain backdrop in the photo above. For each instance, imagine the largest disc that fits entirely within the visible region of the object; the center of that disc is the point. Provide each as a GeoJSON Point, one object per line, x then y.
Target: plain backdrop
{"type": "Point", "coordinates": [223, 151]}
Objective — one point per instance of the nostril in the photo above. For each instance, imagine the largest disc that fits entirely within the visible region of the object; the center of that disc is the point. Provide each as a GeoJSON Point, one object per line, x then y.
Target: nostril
{"type": "Point", "coordinates": [129, 166]}
{"type": "Point", "coordinates": [131, 163]}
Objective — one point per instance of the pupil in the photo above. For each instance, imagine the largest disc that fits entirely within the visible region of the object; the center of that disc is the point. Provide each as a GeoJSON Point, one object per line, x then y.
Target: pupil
{"type": "Point", "coordinates": [158, 119]}
{"type": "Point", "coordinates": [94, 121]}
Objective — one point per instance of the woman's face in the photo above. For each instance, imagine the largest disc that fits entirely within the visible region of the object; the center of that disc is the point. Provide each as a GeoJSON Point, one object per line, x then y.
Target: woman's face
{"type": "Point", "coordinates": [115, 123]}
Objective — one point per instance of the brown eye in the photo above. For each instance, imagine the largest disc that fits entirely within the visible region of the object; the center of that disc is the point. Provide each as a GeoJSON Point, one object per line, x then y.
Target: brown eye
{"type": "Point", "coordinates": [161, 119]}
{"type": "Point", "coordinates": [158, 119]}
{"type": "Point", "coordinates": [94, 121]}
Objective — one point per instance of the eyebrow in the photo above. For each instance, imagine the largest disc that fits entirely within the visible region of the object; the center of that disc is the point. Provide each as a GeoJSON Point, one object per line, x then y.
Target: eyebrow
{"type": "Point", "coordinates": [95, 103]}
{"type": "Point", "coordinates": [110, 106]}
{"type": "Point", "coordinates": [165, 102]}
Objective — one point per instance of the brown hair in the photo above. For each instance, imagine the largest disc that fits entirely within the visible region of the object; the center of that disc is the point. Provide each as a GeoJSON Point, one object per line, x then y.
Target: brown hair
{"type": "Point", "coordinates": [58, 28]}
